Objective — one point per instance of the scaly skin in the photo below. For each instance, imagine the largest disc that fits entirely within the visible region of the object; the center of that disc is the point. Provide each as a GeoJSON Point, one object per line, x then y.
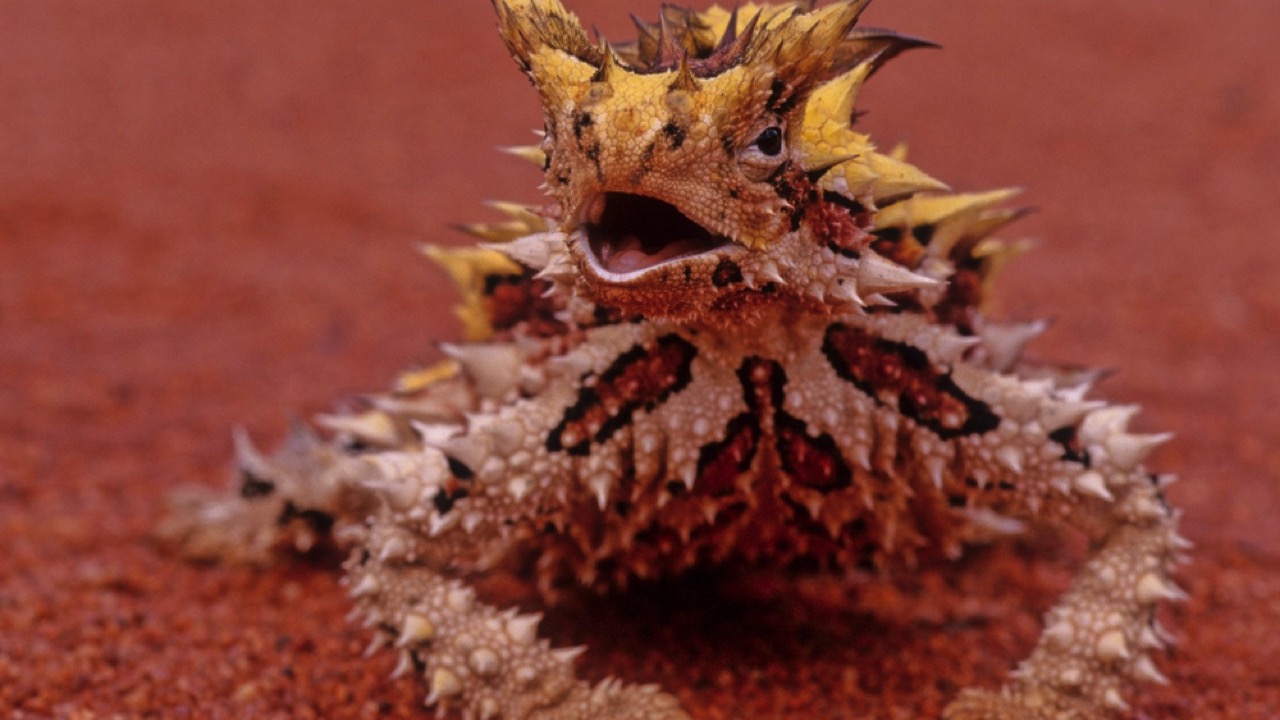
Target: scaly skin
{"type": "Point", "coordinates": [737, 334]}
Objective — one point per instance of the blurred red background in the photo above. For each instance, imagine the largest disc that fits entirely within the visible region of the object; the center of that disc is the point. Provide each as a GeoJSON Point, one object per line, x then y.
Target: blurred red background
{"type": "Point", "coordinates": [208, 214]}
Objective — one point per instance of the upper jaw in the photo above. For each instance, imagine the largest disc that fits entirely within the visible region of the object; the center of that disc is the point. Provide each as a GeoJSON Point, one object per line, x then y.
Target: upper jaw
{"type": "Point", "coordinates": [625, 236]}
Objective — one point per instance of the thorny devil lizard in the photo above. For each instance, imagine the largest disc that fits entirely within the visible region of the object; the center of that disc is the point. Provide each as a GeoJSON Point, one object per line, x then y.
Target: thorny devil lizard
{"type": "Point", "coordinates": [737, 333]}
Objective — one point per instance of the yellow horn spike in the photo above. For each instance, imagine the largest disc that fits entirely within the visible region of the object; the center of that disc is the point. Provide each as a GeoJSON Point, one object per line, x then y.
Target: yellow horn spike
{"type": "Point", "coordinates": [526, 215]}
{"type": "Point", "coordinates": [531, 153]}
{"type": "Point", "coordinates": [932, 210]}
{"type": "Point", "coordinates": [897, 178]}
{"type": "Point", "coordinates": [836, 98]}
{"type": "Point", "coordinates": [826, 138]}
{"type": "Point", "coordinates": [853, 179]}
{"type": "Point", "coordinates": [468, 267]}
{"type": "Point", "coordinates": [990, 221]}
{"type": "Point", "coordinates": [952, 221]}
{"type": "Point", "coordinates": [494, 232]}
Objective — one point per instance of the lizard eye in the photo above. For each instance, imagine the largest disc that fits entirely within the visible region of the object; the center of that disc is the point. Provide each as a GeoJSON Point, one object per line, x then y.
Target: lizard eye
{"type": "Point", "coordinates": [769, 141]}
{"type": "Point", "coordinates": [762, 157]}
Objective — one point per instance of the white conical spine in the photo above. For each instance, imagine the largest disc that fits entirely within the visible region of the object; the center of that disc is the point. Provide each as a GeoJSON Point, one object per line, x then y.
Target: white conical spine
{"type": "Point", "coordinates": [1127, 450]}
{"type": "Point", "coordinates": [1146, 671]}
{"type": "Point", "coordinates": [1101, 424]}
{"type": "Point", "coordinates": [878, 275]}
{"type": "Point", "coordinates": [248, 459]}
{"type": "Point", "coordinates": [373, 427]}
{"type": "Point", "coordinates": [492, 367]}
{"type": "Point", "coordinates": [534, 251]}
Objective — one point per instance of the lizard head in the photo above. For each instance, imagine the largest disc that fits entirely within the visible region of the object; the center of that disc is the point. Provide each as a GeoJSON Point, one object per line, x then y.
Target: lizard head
{"type": "Point", "coordinates": [709, 166]}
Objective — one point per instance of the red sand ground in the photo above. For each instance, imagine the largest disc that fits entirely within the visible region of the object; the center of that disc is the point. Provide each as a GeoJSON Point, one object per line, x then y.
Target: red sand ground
{"type": "Point", "coordinates": [207, 213]}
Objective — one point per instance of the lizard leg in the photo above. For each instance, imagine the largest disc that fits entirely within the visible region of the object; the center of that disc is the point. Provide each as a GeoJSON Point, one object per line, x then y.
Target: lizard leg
{"type": "Point", "coordinates": [478, 661]}
{"type": "Point", "coordinates": [1098, 639]}
{"type": "Point", "coordinates": [975, 437]}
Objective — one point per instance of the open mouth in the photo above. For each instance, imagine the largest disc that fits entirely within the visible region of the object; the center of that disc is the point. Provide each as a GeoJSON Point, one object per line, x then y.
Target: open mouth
{"type": "Point", "coordinates": [629, 233]}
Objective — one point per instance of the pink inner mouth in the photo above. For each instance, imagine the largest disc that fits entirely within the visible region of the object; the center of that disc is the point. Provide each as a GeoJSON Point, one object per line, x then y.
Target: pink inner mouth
{"type": "Point", "coordinates": [629, 233]}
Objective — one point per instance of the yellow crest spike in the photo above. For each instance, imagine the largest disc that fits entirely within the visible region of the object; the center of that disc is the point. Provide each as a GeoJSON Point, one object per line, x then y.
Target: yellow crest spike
{"type": "Point", "coordinates": [685, 80]}
{"type": "Point", "coordinates": [609, 69]}
{"type": "Point", "coordinates": [801, 49]}
{"type": "Point", "coordinates": [670, 48]}
{"type": "Point", "coordinates": [836, 99]}
{"type": "Point", "coordinates": [733, 45]}
{"type": "Point", "coordinates": [646, 42]}
{"type": "Point", "coordinates": [530, 26]}
{"type": "Point", "coordinates": [730, 35]}
{"type": "Point", "coordinates": [872, 48]}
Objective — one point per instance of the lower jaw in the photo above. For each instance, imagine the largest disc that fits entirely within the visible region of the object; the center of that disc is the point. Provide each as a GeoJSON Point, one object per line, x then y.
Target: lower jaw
{"type": "Point", "coordinates": [641, 272]}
